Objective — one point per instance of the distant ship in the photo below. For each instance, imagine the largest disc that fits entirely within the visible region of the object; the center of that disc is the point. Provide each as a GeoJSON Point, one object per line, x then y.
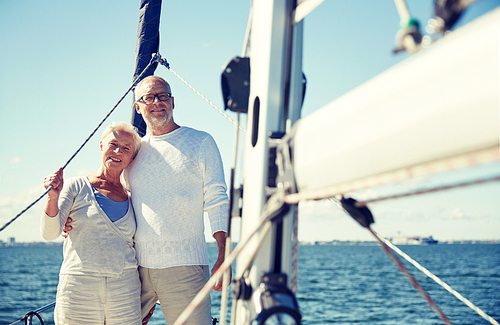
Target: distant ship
{"type": "Point", "coordinates": [403, 240]}
{"type": "Point", "coordinates": [427, 240]}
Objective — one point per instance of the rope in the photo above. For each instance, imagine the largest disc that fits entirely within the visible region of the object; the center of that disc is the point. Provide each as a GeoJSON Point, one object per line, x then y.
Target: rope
{"type": "Point", "coordinates": [264, 224]}
{"type": "Point", "coordinates": [483, 156]}
{"type": "Point", "coordinates": [386, 244]}
{"type": "Point", "coordinates": [295, 249]}
{"type": "Point", "coordinates": [410, 278]}
{"type": "Point", "coordinates": [205, 291]}
{"type": "Point", "coordinates": [165, 63]}
{"type": "Point", "coordinates": [154, 59]}
{"type": "Point", "coordinates": [36, 313]}
{"type": "Point", "coordinates": [430, 190]}
{"type": "Point", "coordinates": [26, 209]}
{"type": "Point", "coordinates": [225, 284]}
{"type": "Point", "coordinates": [29, 318]}
{"type": "Point", "coordinates": [402, 8]}
{"type": "Point", "coordinates": [225, 279]}
{"type": "Point", "coordinates": [438, 281]}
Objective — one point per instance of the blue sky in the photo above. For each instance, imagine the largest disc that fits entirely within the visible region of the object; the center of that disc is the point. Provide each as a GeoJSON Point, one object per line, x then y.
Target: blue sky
{"type": "Point", "coordinates": [66, 63]}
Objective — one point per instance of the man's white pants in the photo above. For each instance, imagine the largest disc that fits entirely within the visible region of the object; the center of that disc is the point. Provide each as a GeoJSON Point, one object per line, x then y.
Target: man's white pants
{"type": "Point", "coordinates": [175, 287]}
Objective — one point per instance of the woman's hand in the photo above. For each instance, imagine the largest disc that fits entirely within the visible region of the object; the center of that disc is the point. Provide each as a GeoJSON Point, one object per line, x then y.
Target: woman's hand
{"type": "Point", "coordinates": [56, 181]}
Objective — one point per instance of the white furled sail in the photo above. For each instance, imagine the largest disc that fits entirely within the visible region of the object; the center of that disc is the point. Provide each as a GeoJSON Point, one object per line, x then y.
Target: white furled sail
{"type": "Point", "coordinates": [440, 103]}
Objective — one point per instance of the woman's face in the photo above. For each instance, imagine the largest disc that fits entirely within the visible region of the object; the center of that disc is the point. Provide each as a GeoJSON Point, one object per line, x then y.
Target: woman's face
{"type": "Point", "coordinates": [117, 150]}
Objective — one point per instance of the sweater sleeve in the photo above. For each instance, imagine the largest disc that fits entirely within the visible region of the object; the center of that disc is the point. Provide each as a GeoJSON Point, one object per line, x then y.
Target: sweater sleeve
{"type": "Point", "coordinates": [214, 186]}
{"type": "Point", "coordinates": [51, 227]}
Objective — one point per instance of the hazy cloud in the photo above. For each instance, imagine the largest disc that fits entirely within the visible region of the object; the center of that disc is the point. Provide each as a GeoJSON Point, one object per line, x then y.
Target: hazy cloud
{"type": "Point", "coordinates": [459, 214]}
{"type": "Point", "coordinates": [21, 200]}
{"type": "Point", "coordinates": [27, 226]}
{"type": "Point", "coordinates": [16, 160]}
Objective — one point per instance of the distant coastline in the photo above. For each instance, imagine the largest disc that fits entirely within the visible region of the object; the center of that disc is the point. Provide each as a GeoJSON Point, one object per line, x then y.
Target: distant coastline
{"type": "Point", "coordinates": [32, 244]}
{"type": "Point", "coordinates": [308, 243]}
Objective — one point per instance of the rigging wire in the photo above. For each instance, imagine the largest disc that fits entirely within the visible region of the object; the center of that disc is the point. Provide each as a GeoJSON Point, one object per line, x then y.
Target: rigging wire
{"type": "Point", "coordinates": [386, 244]}
{"type": "Point", "coordinates": [264, 224]}
{"type": "Point", "coordinates": [364, 217]}
{"type": "Point", "coordinates": [436, 279]}
{"type": "Point", "coordinates": [164, 62]}
{"type": "Point", "coordinates": [36, 313]}
{"type": "Point", "coordinates": [451, 163]}
{"type": "Point", "coordinates": [248, 32]}
{"type": "Point", "coordinates": [225, 283]}
{"type": "Point", "coordinates": [430, 190]}
{"type": "Point", "coordinates": [295, 250]}
{"type": "Point", "coordinates": [410, 278]}
{"type": "Point", "coordinates": [154, 59]}
{"type": "Point", "coordinates": [478, 157]}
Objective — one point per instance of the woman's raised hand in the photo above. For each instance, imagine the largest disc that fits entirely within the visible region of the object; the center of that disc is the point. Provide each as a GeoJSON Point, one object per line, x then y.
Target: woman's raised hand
{"type": "Point", "coordinates": [56, 181]}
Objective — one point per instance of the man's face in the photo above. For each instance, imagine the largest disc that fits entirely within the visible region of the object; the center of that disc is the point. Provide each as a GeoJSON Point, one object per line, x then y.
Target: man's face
{"type": "Point", "coordinates": [158, 113]}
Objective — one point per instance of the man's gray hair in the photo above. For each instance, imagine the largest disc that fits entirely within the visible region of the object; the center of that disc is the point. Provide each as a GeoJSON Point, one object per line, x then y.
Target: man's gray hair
{"type": "Point", "coordinates": [149, 78]}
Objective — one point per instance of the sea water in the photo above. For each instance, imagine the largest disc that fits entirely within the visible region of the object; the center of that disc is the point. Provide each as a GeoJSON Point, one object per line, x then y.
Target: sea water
{"type": "Point", "coordinates": [337, 284]}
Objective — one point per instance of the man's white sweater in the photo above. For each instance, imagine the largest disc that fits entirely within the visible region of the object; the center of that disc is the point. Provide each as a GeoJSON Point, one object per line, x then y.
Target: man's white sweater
{"type": "Point", "coordinates": [174, 179]}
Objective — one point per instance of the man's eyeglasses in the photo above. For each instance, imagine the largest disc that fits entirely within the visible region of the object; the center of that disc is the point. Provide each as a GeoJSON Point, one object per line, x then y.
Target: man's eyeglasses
{"type": "Point", "coordinates": [150, 98]}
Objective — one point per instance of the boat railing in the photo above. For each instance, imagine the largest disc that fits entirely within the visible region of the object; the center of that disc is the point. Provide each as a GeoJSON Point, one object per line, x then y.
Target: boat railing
{"type": "Point", "coordinates": [28, 318]}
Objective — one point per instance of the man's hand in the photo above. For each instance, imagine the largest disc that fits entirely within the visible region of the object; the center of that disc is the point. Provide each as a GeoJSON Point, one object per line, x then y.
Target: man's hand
{"type": "Point", "coordinates": [67, 228]}
{"type": "Point", "coordinates": [220, 237]}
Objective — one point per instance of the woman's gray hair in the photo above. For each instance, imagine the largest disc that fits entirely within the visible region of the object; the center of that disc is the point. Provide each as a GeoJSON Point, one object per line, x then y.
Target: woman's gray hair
{"type": "Point", "coordinates": [125, 127]}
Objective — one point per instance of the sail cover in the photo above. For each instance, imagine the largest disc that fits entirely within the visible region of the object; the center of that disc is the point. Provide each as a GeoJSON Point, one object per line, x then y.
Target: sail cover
{"type": "Point", "coordinates": [148, 42]}
{"type": "Point", "coordinates": [439, 104]}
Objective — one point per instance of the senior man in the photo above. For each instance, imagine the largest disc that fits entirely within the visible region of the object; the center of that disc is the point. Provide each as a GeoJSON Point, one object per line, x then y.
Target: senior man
{"type": "Point", "coordinates": [175, 178]}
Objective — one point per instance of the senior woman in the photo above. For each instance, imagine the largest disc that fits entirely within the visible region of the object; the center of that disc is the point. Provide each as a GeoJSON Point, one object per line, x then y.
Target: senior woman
{"type": "Point", "coordinates": [98, 280]}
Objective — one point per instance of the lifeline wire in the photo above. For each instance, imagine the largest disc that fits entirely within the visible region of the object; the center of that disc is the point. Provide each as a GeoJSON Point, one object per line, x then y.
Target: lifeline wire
{"type": "Point", "coordinates": [410, 278]}
{"type": "Point", "coordinates": [166, 65]}
{"type": "Point", "coordinates": [437, 280]}
{"type": "Point", "coordinates": [35, 312]}
{"type": "Point", "coordinates": [154, 59]}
